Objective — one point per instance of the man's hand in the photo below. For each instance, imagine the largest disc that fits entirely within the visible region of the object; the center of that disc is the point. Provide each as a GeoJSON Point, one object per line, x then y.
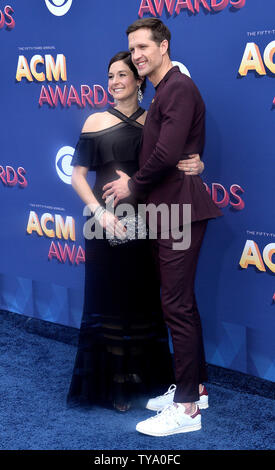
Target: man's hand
{"type": "Point", "coordinates": [117, 189]}
{"type": "Point", "coordinates": [193, 166]}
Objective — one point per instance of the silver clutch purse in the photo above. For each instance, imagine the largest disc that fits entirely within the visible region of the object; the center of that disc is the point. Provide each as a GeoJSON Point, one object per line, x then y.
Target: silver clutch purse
{"type": "Point", "coordinates": [136, 230]}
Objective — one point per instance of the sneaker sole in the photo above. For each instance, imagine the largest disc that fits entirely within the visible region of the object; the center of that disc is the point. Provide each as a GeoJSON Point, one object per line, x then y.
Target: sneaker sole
{"type": "Point", "coordinates": [195, 427]}
{"type": "Point", "coordinates": [202, 406]}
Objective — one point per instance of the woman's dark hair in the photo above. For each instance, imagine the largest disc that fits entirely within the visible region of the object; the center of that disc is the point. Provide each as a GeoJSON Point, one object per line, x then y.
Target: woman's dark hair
{"type": "Point", "coordinates": [125, 56]}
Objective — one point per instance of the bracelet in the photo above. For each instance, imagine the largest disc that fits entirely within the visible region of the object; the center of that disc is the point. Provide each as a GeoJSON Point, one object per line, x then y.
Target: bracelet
{"type": "Point", "coordinates": [99, 212]}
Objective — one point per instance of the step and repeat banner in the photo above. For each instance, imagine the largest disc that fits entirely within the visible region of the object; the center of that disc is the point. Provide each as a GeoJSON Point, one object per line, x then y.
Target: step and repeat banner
{"type": "Point", "coordinates": [54, 56]}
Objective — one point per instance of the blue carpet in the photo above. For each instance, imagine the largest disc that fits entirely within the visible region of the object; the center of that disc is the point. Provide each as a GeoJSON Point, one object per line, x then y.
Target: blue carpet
{"type": "Point", "coordinates": [35, 376]}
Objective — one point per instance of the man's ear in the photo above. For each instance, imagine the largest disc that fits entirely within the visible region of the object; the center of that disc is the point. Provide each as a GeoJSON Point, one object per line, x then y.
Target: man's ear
{"type": "Point", "coordinates": [164, 46]}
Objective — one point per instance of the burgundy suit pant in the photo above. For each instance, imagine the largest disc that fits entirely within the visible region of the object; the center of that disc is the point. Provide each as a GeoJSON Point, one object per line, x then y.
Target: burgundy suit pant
{"type": "Point", "coordinates": [177, 269]}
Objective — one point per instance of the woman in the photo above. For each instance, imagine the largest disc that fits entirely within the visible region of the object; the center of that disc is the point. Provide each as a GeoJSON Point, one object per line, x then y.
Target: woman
{"type": "Point", "coordinates": [123, 349]}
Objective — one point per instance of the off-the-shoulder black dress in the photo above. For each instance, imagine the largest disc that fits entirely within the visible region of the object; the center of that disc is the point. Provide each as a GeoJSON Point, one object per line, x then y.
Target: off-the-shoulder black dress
{"type": "Point", "coordinates": [123, 351]}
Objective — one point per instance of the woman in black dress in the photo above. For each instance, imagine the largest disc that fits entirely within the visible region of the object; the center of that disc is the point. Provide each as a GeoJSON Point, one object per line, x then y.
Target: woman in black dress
{"type": "Point", "coordinates": [123, 351]}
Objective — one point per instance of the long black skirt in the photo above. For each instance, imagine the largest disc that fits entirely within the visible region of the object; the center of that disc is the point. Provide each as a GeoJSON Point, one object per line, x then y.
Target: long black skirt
{"type": "Point", "coordinates": [123, 352]}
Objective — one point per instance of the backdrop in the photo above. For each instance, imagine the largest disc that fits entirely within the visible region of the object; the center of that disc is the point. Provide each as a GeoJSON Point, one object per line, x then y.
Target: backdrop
{"type": "Point", "coordinates": [54, 55]}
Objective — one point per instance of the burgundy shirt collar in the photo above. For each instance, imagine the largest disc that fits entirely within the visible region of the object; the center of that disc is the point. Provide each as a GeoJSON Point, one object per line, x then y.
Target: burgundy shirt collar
{"type": "Point", "coordinates": [167, 75]}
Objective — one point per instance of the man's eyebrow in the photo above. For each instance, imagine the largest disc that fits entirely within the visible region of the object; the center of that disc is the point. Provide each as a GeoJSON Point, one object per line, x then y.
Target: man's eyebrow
{"type": "Point", "coordinates": [138, 45]}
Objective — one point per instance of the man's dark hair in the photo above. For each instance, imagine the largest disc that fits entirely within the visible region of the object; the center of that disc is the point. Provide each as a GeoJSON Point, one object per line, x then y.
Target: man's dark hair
{"type": "Point", "coordinates": [125, 56]}
{"type": "Point", "coordinates": [159, 31]}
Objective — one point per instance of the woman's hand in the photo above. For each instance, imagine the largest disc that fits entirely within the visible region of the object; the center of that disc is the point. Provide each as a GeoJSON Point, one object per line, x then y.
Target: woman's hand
{"type": "Point", "coordinates": [112, 225]}
{"type": "Point", "coordinates": [193, 166]}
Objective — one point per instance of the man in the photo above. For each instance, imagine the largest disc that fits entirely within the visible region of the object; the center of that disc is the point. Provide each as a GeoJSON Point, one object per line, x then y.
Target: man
{"type": "Point", "coordinates": [174, 127]}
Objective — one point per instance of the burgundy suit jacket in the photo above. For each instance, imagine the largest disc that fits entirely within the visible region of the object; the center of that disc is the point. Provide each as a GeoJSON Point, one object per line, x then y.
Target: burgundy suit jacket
{"type": "Point", "coordinates": [174, 128]}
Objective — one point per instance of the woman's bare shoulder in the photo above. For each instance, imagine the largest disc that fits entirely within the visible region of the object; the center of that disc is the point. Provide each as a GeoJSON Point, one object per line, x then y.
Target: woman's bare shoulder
{"type": "Point", "coordinates": [95, 122]}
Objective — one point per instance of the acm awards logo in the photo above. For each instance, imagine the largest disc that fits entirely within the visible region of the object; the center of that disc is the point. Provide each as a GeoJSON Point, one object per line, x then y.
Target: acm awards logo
{"type": "Point", "coordinates": [49, 69]}
{"type": "Point", "coordinates": [6, 18]}
{"type": "Point", "coordinates": [223, 197]}
{"type": "Point", "coordinates": [254, 61]}
{"type": "Point", "coordinates": [55, 226]}
{"type": "Point", "coordinates": [156, 7]}
{"type": "Point", "coordinates": [58, 7]}
{"type": "Point", "coordinates": [11, 177]}
{"type": "Point", "coordinates": [251, 256]}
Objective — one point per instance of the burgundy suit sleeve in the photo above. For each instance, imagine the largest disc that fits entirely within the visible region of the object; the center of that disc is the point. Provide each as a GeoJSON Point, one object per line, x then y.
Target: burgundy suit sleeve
{"type": "Point", "coordinates": [177, 111]}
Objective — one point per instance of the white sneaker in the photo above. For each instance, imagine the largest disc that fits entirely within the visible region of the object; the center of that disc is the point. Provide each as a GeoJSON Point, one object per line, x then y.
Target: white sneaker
{"type": "Point", "coordinates": [171, 420]}
{"type": "Point", "coordinates": [158, 403]}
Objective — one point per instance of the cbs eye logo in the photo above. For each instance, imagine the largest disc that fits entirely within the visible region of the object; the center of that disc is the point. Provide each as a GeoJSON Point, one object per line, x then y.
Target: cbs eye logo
{"type": "Point", "coordinates": [58, 7]}
{"type": "Point", "coordinates": [63, 165]}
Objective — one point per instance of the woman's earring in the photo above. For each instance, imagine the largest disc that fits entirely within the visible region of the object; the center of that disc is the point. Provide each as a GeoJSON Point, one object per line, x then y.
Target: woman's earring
{"type": "Point", "coordinates": [139, 95]}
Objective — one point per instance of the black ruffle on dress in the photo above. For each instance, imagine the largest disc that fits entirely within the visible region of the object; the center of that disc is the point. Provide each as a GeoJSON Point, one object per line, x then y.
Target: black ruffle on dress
{"type": "Point", "coordinates": [123, 352]}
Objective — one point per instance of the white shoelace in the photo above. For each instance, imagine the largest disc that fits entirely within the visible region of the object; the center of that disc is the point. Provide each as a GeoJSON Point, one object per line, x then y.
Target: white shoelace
{"type": "Point", "coordinates": [161, 414]}
{"type": "Point", "coordinates": [167, 415]}
{"type": "Point", "coordinates": [171, 389]}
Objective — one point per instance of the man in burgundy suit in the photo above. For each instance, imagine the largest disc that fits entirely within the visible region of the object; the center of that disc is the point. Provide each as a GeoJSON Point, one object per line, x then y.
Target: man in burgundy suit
{"type": "Point", "coordinates": [174, 128]}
